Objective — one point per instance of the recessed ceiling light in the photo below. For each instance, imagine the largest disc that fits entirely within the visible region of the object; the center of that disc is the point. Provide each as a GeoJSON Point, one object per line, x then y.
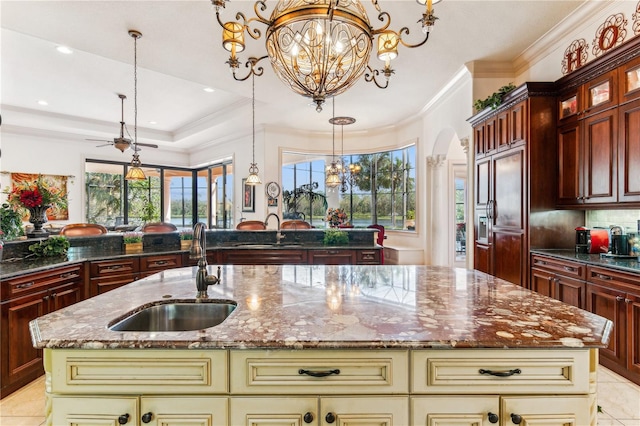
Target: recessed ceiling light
{"type": "Point", "coordinates": [209, 90]}
{"type": "Point", "coordinates": [153, 122]}
{"type": "Point", "coordinates": [64, 49]}
{"type": "Point", "coordinates": [43, 103]}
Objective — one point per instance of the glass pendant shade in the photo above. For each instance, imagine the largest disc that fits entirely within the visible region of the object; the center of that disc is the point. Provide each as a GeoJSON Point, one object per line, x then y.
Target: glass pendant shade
{"type": "Point", "coordinates": [253, 178]}
{"type": "Point", "coordinates": [333, 180]}
{"type": "Point", "coordinates": [134, 171]}
{"type": "Point", "coordinates": [233, 37]}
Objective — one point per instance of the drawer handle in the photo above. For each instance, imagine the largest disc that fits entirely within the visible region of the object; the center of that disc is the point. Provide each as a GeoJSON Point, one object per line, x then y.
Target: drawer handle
{"type": "Point", "coordinates": [500, 373]}
{"type": "Point", "coordinates": [319, 373]}
{"type": "Point", "coordinates": [25, 285]}
{"type": "Point", "coordinates": [330, 417]}
{"type": "Point", "coordinates": [113, 268]}
{"type": "Point", "coordinates": [160, 262]}
{"type": "Point", "coordinates": [146, 417]}
{"type": "Point", "coordinates": [123, 419]}
{"type": "Point", "coordinates": [541, 262]}
{"type": "Point", "coordinates": [516, 418]}
{"type": "Point", "coordinates": [569, 268]}
{"type": "Point", "coordinates": [493, 417]}
{"type": "Point", "coordinates": [308, 417]}
{"type": "Point", "coordinates": [603, 277]}
{"type": "Point", "coordinates": [619, 298]}
{"type": "Point", "coordinates": [67, 275]}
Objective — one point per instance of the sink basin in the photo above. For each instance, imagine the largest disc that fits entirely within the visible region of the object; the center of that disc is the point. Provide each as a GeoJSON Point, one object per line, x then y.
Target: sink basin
{"type": "Point", "coordinates": [176, 316]}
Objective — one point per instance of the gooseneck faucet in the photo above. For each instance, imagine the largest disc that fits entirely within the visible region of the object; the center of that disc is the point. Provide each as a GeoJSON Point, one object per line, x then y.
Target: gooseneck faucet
{"type": "Point", "coordinates": [199, 251]}
{"type": "Point", "coordinates": [279, 235]}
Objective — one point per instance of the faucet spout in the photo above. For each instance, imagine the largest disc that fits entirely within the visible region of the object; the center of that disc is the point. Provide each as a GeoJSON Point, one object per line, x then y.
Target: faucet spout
{"type": "Point", "coordinates": [279, 235]}
{"type": "Point", "coordinates": [199, 251]}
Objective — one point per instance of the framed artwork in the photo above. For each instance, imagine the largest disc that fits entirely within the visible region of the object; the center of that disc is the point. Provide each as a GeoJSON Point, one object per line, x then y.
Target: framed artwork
{"type": "Point", "coordinates": [272, 202]}
{"type": "Point", "coordinates": [248, 197]}
{"type": "Point", "coordinates": [54, 181]}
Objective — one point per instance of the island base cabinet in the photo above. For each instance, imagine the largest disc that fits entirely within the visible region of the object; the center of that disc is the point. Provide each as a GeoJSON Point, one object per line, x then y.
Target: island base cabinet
{"type": "Point", "coordinates": [323, 411]}
{"type": "Point", "coordinates": [135, 411]}
{"type": "Point", "coordinates": [503, 411]}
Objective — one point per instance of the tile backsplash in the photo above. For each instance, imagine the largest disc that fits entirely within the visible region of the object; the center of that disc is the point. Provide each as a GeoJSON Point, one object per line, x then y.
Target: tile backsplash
{"type": "Point", "coordinates": [603, 218]}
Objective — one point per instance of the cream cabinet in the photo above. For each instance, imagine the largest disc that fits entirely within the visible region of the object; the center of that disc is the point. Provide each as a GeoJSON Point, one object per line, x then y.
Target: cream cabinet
{"type": "Point", "coordinates": [321, 387]}
{"type": "Point", "coordinates": [143, 410]}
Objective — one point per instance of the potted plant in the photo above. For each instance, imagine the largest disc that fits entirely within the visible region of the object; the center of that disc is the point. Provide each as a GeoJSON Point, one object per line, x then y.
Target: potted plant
{"type": "Point", "coordinates": [132, 241]}
{"type": "Point", "coordinates": [52, 246]}
{"type": "Point", "coordinates": [10, 223]}
{"type": "Point", "coordinates": [410, 220]}
{"type": "Point", "coordinates": [186, 236]}
{"type": "Point", "coordinates": [335, 237]}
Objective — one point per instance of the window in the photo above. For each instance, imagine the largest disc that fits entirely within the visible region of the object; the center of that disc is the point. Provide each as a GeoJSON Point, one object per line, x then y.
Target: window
{"type": "Point", "coordinates": [166, 195]}
{"type": "Point", "coordinates": [382, 191]}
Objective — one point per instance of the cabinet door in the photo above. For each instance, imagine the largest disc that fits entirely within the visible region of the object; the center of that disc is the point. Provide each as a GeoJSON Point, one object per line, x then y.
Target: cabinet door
{"type": "Point", "coordinates": [518, 124]}
{"type": "Point", "coordinates": [482, 258]}
{"type": "Point", "coordinates": [508, 172]}
{"type": "Point", "coordinates": [542, 282]}
{"type": "Point", "coordinates": [600, 94]}
{"type": "Point", "coordinates": [503, 136]}
{"type": "Point", "coordinates": [94, 411]}
{"type": "Point", "coordinates": [478, 132]}
{"type": "Point", "coordinates": [569, 164]}
{"type": "Point", "coordinates": [509, 256]}
{"type": "Point", "coordinates": [178, 411]}
{"type": "Point", "coordinates": [629, 153]}
{"type": "Point", "coordinates": [103, 284]}
{"type": "Point", "coordinates": [158, 263]}
{"type": "Point", "coordinates": [490, 127]}
{"type": "Point", "coordinates": [571, 291]}
{"type": "Point", "coordinates": [633, 334]}
{"type": "Point", "coordinates": [483, 186]}
{"type": "Point", "coordinates": [290, 411]}
{"type": "Point", "coordinates": [599, 152]}
{"type": "Point", "coordinates": [547, 411]}
{"type": "Point", "coordinates": [455, 410]}
{"type": "Point", "coordinates": [64, 295]}
{"type": "Point", "coordinates": [20, 360]}
{"type": "Point", "coordinates": [384, 411]}
{"type": "Point", "coordinates": [607, 303]}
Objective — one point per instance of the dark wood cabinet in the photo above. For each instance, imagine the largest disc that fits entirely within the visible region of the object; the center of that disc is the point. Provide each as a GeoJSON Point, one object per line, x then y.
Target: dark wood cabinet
{"type": "Point", "coordinates": [629, 152]}
{"type": "Point", "coordinates": [110, 274]}
{"type": "Point", "coordinates": [332, 257]}
{"type": "Point", "coordinates": [149, 265]}
{"type": "Point", "coordinates": [560, 279]}
{"type": "Point", "coordinates": [262, 257]}
{"type": "Point", "coordinates": [24, 299]}
{"type": "Point", "coordinates": [616, 295]}
{"type": "Point", "coordinates": [515, 183]}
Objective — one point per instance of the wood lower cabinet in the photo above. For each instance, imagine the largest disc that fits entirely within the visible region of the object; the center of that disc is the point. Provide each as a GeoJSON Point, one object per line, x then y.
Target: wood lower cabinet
{"type": "Point", "coordinates": [262, 257]}
{"type": "Point", "coordinates": [332, 257]}
{"type": "Point", "coordinates": [149, 265]}
{"type": "Point", "coordinates": [26, 298]}
{"type": "Point", "coordinates": [558, 278]}
{"type": "Point", "coordinates": [110, 274]}
{"type": "Point", "coordinates": [615, 295]}
{"type": "Point", "coordinates": [322, 387]}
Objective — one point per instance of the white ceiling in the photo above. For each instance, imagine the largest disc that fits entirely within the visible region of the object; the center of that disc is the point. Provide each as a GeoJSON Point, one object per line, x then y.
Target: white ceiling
{"type": "Point", "coordinates": [180, 54]}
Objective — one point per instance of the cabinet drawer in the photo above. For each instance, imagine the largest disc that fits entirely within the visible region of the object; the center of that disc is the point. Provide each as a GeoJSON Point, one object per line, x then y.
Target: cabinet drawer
{"type": "Point", "coordinates": [560, 266]}
{"type": "Point", "coordinates": [115, 267]}
{"type": "Point", "coordinates": [138, 371]}
{"type": "Point", "coordinates": [160, 263]}
{"type": "Point", "coordinates": [368, 257]}
{"type": "Point", "coordinates": [287, 372]}
{"type": "Point", "coordinates": [610, 278]}
{"type": "Point", "coordinates": [468, 371]}
{"type": "Point", "coordinates": [40, 281]}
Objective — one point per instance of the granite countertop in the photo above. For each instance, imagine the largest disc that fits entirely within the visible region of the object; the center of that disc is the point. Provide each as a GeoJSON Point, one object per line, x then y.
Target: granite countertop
{"type": "Point", "coordinates": [627, 265]}
{"type": "Point", "coordinates": [346, 306]}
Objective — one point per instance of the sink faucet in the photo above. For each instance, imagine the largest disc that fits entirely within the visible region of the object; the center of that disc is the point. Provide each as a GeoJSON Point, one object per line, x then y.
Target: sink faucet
{"type": "Point", "coordinates": [279, 235]}
{"type": "Point", "coordinates": [199, 251]}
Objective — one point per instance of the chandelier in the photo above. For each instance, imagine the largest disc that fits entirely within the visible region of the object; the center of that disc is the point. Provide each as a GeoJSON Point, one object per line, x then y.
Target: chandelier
{"type": "Point", "coordinates": [253, 178]}
{"type": "Point", "coordinates": [319, 48]}
{"type": "Point", "coordinates": [348, 175]}
{"type": "Point", "coordinates": [332, 174]}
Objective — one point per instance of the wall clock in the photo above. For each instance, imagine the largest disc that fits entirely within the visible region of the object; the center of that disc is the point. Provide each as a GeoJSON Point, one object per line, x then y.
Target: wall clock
{"type": "Point", "coordinates": [273, 189]}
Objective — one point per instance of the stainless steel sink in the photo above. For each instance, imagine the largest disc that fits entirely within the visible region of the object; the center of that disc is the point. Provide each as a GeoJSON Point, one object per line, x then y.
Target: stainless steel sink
{"type": "Point", "coordinates": [176, 316]}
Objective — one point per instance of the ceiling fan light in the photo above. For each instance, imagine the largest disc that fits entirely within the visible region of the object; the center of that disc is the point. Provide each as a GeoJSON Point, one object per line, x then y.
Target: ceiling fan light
{"type": "Point", "coordinates": [135, 173]}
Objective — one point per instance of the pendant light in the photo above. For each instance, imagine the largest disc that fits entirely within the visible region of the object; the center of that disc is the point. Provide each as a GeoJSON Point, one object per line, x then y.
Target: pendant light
{"type": "Point", "coordinates": [332, 178]}
{"type": "Point", "coordinates": [253, 178]}
{"type": "Point", "coordinates": [134, 171]}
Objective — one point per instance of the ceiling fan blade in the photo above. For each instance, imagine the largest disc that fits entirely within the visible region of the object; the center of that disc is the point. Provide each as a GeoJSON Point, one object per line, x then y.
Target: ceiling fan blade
{"type": "Point", "coordinates": [150, 145]}
{"type": "Point", "coordinates": [104, 144]}
{"type": "Point", "coordinates": [98, 140]}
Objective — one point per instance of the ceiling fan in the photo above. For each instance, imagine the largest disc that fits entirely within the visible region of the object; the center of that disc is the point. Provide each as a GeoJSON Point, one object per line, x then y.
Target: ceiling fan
{"type": "Point", "coordinates": [121, 142]}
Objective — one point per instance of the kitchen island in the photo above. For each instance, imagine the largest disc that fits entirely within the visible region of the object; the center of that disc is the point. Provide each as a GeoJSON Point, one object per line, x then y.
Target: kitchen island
{"type": "Point", "coordinates": [316, 344]}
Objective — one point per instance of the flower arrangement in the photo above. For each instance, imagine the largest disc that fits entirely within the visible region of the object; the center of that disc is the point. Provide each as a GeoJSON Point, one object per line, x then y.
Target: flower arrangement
{"type": "Point", "coordinates": [132, 237]}
{"type": "Point", "coordinates": [336, 217]}
{"type": "Point", "coordinates": [37, 193]}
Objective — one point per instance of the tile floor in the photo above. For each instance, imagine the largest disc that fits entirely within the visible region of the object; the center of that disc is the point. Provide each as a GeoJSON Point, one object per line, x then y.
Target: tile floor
{"type": "Point", "coordinates": [618, 397]}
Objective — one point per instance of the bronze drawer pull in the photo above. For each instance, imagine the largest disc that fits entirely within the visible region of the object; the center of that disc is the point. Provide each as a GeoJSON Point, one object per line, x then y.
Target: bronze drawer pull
{"type": "Point", "coordinates": [123, 419]}
{"type": "Point", "coordinates": [500, 373]}
{"type": "Point", "coordinates": [160, 262]}
{"type": "Point", "coordinates": [569, 268]}
{"type": "Point", "coordinates": [67, 275]}
{"type": "Point", "coordinates": [25, 285]}
{"type": "Point", "coordinates": [113, 268]}
{"type": "Point", "coordinates": [603, 277]}
{"type": "Point", "coordinates": [319, 373]}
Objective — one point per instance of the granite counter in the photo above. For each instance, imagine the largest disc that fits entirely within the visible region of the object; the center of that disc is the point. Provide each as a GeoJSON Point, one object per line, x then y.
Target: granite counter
{"type": "Point", "coordinates": [630, 264]}
{"type": "Point", "coordinates": [350, 306]}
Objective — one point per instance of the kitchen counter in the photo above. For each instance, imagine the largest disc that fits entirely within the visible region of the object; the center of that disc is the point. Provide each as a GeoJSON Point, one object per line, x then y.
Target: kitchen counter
{"type": "Point", "coordinates": [628, 265]}
{"type": "Point", "coordinates": [302, 306]}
